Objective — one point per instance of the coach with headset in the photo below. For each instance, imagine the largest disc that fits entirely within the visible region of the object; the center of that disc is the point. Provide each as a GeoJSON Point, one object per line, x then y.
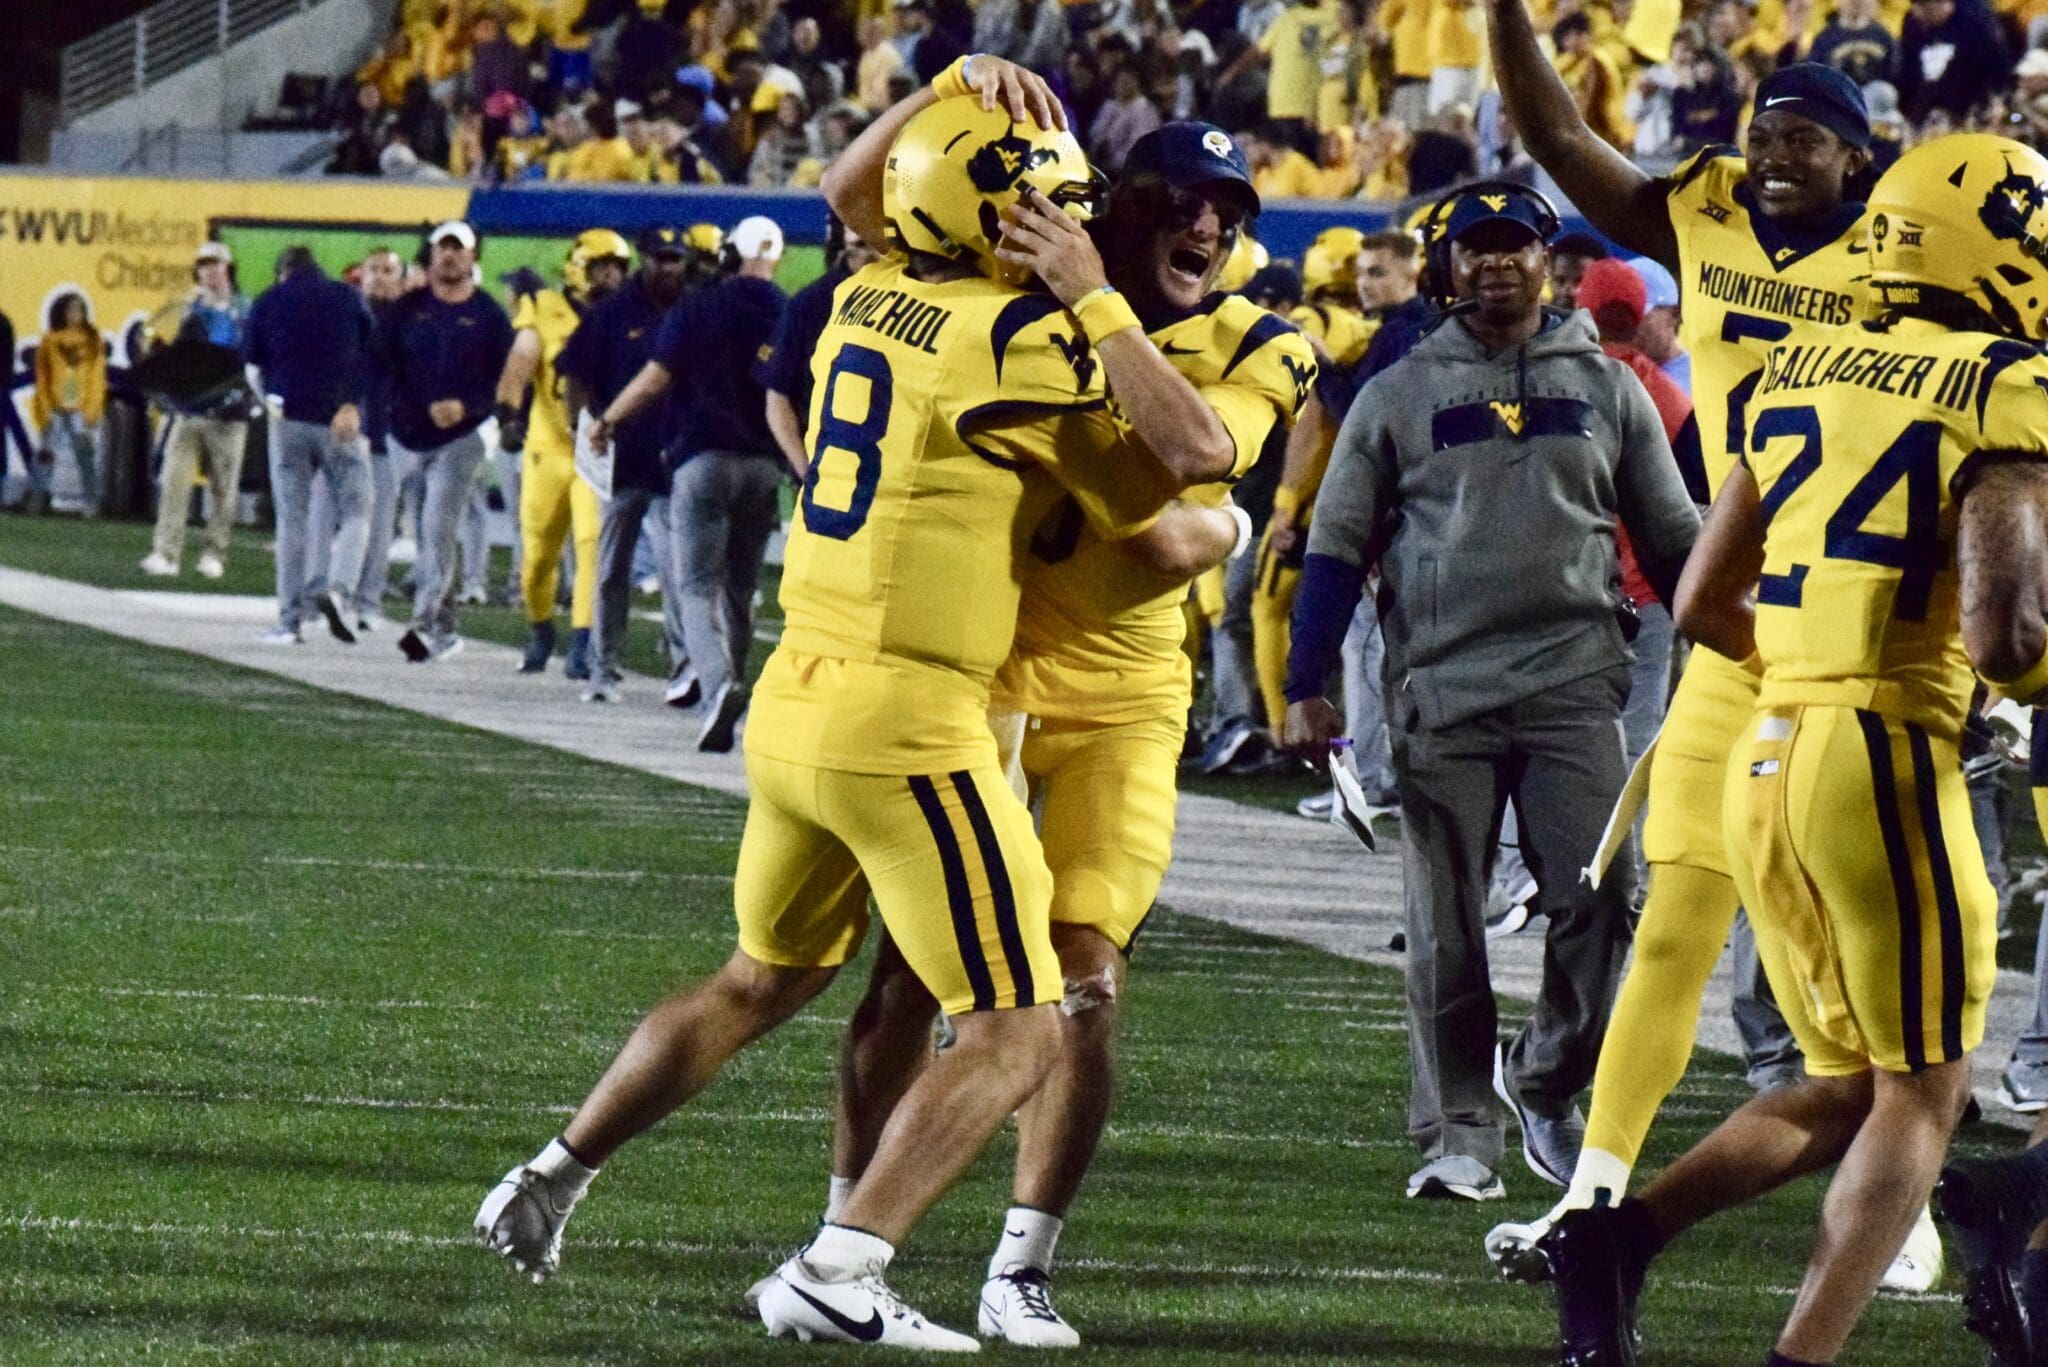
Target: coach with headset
{"type": "Point", "coordinates": [1484, 474]}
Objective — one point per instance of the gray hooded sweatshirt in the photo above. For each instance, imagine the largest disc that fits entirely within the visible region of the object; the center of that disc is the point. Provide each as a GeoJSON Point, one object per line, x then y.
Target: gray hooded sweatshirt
{"type": "Point", "coordinates": [1497, 481]}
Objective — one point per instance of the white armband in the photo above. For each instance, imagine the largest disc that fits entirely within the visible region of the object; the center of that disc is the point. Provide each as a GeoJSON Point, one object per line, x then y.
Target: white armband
{"type": "Point", "coordinates": [1243, 520]}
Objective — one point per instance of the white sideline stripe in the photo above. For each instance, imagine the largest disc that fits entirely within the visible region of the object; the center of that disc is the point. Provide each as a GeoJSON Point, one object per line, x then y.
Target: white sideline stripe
{"type": "Point", "coordinates": [267, 998]}
{"type": "Point", "coordinates": [1177, 1133]}
{"type": "Point", "coordinates": [385, 865]}
{"type": "Point", "coordinates": [306, 1238]}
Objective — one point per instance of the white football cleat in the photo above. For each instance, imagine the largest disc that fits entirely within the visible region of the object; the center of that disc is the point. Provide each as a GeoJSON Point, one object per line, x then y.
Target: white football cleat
{"type": "Point", "coordinates": [860, 1310]}
{"type": "Point", "coordinates": [1017, 1308]}
{"type": "Point", "coordinates": [522, 1220]}
{"type": "Point", "coordinates": [1918, 1266]}
{"type": "Point", "coordinates": [211, 566]}
{"type": "Point", "coordinates": [1513, 1252]}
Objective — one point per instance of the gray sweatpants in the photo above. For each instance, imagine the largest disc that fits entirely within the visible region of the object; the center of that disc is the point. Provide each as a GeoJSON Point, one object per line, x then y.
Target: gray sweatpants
{"type": "Point", "coordinates": [448, 473]}
{"type": "Point", "coordinates": [617, 538]}
{"type": "Point", "coordinates": [366, 592]}
{"type": "Point", "coordinates": [721, 512]}
{"type": "Point", "coordinates": [302, 456]}
{"type": "Point", "coordinates": [1559, 756]}
{"type": "Point", "coordinates": [1365, 707]}
{"type": "Point", "coordinates": [1231, 677]}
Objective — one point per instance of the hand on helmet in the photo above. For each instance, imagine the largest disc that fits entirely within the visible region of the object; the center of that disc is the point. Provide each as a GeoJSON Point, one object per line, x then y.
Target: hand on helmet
{"type": "Point", "coordinates": [1039, 236]}
{"type": "Point", "coordinates": [1021, 91]}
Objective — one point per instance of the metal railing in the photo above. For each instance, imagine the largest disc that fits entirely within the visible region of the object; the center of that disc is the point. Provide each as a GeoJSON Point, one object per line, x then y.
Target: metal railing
{"type": "Point", "coordinates": [129, 57]}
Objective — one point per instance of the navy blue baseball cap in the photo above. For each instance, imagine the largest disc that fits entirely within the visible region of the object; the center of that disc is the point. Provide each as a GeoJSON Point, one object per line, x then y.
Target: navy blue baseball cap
{"type": "Point", "coordinates": [1818, 92]}
{"type": "Point", "coordinates": [1503, 205]}
{"type": "Point", "coordinates": [1188, 154]}
{"type": "Point", "coordinates": [1276, 281]}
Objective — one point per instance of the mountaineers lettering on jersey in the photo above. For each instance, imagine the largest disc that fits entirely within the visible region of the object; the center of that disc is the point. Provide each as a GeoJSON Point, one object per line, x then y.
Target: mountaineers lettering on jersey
{"type": "Point", "coordinates": [1779, 298]}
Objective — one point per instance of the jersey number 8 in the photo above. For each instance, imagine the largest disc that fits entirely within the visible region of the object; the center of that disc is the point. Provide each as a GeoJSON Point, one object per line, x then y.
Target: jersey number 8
{"type": "Point", "coordinates": [862, 440]}
{"type": "Point", "coordinates": [1915, 459]}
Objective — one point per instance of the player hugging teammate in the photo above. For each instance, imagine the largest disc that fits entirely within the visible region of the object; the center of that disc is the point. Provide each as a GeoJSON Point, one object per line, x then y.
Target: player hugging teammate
{"type": "Point", "coordinates": [964, 444]}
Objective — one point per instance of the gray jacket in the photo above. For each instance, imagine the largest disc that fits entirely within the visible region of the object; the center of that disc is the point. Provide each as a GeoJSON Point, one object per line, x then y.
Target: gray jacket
{"type": "Point", "coordinates": [1496, 481]}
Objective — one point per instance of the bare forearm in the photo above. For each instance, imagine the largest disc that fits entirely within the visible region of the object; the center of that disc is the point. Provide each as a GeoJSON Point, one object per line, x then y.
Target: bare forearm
{"type": "Point", "coordinates": [1712, 601]}
{"type": "Point", "coordinates": [520, 365]}
{"type": "Point", "coordinates": [1308, 452]}
{"type": "Point", "coordinates": [1609, 189]}
{"type": "Point", "coordinates": [788, 433]}
{"type": "Point", "coordinates": [853, 183]}
{"type": "Point", "coordinates": [2000, 553]}
{"type": "Point", "coordinates": [1184, 435]}
{"type": "Point", "coordinates": [1187, 540]}
{"type": "Point", "coordinates": [650, 384]}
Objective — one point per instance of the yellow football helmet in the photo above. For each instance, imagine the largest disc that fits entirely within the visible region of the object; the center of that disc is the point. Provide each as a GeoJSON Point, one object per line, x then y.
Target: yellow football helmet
{"type": "Point", "coordinates": [592, 244]}
{"type": "Point", "coordinates": [704, 237]}
{"type": "Point", "coordinates": [1964, 218]}
{"type": "Point", "coordinates": [956, 166]}
{"type": "Point", "coordinates": [1330, 265]}
{"type": "Point", "coordinates": [1247, 258]}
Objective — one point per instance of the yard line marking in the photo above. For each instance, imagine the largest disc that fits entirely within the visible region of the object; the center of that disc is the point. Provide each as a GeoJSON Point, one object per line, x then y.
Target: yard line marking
{"type": "Point", "coordinates": [306, 1239]}
{"type": "Point", "coordinates": [511, 872]}
{"type": "Point", "coordinates": [273, 998]}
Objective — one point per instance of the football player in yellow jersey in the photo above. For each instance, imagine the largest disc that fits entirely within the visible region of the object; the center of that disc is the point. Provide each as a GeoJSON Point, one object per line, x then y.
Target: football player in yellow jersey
{"type": "Point", "coordinates": [1329, 281]}
{"type": "Point", "coordinates": [553, 503]}
{"type": "Point", "coordinates": [1759, 244]}
{"type": "Point", "coordinates": [1092, 706]}
{"type": "Point", "coordinates": [1882, 536]}
{"type": "Point", "coordinates": [1384, 274]}
{"type": "Point", "coordinates": [952, 408]}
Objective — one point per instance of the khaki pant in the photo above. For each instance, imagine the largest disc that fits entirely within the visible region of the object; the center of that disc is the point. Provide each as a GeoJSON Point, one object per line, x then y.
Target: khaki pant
{"type": "Point", "coordinates": [221, 442]}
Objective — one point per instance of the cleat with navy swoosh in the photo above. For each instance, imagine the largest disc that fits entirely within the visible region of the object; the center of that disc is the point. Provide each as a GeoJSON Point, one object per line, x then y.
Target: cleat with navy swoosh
{"type": "Point", "coordinates": [1017, 1308]}
{"type": "Point", "coordinates": [860, 1309]}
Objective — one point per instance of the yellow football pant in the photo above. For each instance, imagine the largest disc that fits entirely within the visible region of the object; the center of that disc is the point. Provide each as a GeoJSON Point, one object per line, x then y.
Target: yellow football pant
{"type": "Point", "coordinates": [954, 864]}
{"type": "Point", "coordinates": [1272, 631]}
{"type": "Point", "coordinates": [552, 502]}
{"type": "Point", "coordinates": [1850, 839]}
{"type": "Point", "coordinates": [1684, 927]}
{"type": "Point", "coordinates": [1107, 798]}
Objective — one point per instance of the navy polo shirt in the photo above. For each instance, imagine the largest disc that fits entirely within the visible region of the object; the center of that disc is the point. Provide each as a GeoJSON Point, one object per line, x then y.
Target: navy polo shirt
{"type": "Point", "coordinates": [609, 347]}
{"type": "Point", "coordinates": [435, 351]}
{"type": "Point", "coordinates": [786, 369]}
{"type": "Point", "coordinates": [312, 339]}
{"type": "Point", "coordinates": [711, 342]}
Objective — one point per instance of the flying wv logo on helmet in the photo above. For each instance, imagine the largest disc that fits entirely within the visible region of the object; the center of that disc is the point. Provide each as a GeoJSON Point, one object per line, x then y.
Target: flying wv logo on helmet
{"type": "Point", "coordinates": [2009, 207]}
{"type": "Point", "coordinates": [998, 165]}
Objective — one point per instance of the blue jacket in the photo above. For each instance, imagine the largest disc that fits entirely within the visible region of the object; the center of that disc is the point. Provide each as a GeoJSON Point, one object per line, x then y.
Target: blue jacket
{"type": "Point", "coordinates": [311, 338]}
{"type": "Point", "coordinates": [438, 351]}
{"type": "Point", "coordinates": [710, 342]}
{"type": "Point", "coordinates": [608, 348]}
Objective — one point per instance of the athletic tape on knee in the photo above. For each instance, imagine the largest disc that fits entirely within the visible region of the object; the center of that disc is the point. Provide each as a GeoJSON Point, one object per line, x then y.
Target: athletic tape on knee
{"type": "Point", "coordinates": [1085, 994]}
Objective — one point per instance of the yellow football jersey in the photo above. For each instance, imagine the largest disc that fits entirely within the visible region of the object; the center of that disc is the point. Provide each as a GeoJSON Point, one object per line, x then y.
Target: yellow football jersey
{"type": "Point", "coordinates": [1857, 441]}
{"type": "Point", "coordinates": [938, 412]}
{"type": "Point", "coordinates": [1745, 283]}
{"type": "Point", "coordinates": [1100, 636]}
{"type": "Point", "coordinates": [553, 319]}
{"type": "Point", "coordinates": [1345, 333]}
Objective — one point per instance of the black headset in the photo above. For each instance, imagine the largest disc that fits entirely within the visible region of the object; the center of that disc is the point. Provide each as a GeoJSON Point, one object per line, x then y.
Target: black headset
{"type": "Point", "coordinates": [1436, 243]}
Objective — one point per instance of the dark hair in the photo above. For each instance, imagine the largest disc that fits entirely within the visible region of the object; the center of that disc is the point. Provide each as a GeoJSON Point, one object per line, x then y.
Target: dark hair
{"type": "Point", "coordinates": [295, 258]}
{"type": "Point", "coordinates": [1576, 22]}
{"type": "Point", "coordinates": [54, 320]}
{"type": "Point", "coordinates": [603, 122]}
{"type": "Point", "coordinates": [1580, 244]}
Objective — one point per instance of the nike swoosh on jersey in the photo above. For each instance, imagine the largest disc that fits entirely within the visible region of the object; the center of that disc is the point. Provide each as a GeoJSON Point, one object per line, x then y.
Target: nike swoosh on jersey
{"type": "Point", "coordinates": [866, 1332]}
{"type": "Point", "coordinates": [1169, 349]}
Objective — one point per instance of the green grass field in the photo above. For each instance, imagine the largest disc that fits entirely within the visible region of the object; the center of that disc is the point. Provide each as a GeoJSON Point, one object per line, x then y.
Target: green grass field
{"type": "Point", "coordinates": [293, 978]}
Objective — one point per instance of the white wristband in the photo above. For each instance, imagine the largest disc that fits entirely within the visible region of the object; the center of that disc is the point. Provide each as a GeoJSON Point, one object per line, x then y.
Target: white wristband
{"type": "Point", "coordinates": [1243, 520]}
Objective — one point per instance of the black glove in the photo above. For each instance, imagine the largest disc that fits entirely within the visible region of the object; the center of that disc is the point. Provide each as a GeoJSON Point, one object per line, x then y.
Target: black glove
{"type": "Point", "coordinates": [511, 429]}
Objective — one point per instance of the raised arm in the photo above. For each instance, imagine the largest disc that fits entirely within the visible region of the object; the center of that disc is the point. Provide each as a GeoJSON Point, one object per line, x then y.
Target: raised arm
{"type": "Point", "coordinates": [853, 183]}
{"type": "Point", "coordinates": [1610, 190]}
{"type": "Point", "coordinates": [1714, 606]}
{"type": "Point", "coordinates": [2001, 549]}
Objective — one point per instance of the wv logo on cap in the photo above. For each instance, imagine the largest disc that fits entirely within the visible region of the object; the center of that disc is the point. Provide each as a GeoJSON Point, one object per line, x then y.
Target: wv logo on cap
{"type": "Point", "coordinates": [997, 165]}
{"type": "Point", "coordinates": [1497, 203]}
{"type": "Point", "coordinates": [1510, 415]}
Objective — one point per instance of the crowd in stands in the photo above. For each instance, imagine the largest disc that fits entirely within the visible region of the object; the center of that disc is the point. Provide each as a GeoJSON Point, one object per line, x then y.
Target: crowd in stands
{"type": "Point", "coordinates": [1373, 99]}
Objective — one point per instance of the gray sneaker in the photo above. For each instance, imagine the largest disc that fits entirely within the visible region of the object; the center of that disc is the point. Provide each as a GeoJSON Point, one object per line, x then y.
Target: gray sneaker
{"type": "Point", "coordinates": [1550, 1144]}
{"type": "Point", "coordinates": [1455, 1176]}
{"type": "Point", "coordinates": [2023, 1087]}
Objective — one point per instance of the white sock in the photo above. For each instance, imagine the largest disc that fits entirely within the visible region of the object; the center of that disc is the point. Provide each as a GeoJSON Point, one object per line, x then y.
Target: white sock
{"type": "Point", "coordinates": [1597, 1171]}
{"type": "Point", "coordinates": [1028, 1237]}
{"type": "Point", "coordinates": [835, 1198]}
{"type": "Point", "coordinates": [558, 1165]}
{"type": "Point", "coordinates": [840, 1253]}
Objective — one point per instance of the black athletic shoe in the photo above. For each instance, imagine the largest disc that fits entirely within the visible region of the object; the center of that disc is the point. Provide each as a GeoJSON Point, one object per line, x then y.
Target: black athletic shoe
{"type": "Point", "coordinates": [415, 647]}
{"type": "Point", "coordinates": [1598, 1279]}
{"type": "Point", "coordinates": [723, 714]}
{"type": "Point", "coordinates": [540, 647]}
{"type": "Point", "coordinates": [577, 665]}
{"type": "Point", "coordinates": [334, 610]}
{"type": "Point", "coordinates": [1978, 1205]}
